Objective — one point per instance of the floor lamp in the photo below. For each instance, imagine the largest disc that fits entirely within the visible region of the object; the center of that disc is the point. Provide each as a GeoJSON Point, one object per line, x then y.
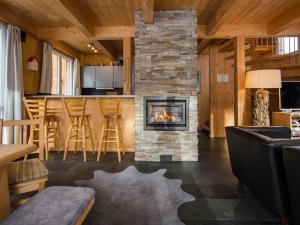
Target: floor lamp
{"type": "Point", "coordinates": [260, 79]}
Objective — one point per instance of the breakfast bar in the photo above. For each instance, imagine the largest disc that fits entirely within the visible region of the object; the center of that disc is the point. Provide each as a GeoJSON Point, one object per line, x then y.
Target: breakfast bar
{"type": "Point", "coordinates": [96, 120]}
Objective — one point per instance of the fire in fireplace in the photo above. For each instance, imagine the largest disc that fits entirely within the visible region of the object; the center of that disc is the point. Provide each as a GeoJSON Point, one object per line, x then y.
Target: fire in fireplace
{"type": "Point", "coordinates": [166, 113]}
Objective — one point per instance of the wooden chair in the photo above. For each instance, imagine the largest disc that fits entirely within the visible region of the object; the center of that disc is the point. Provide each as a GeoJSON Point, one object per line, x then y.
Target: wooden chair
{"type": "Point", "coordinates": [38, 109]}
{"type": "Point", "coordinates": [25, 175]}
{"type": "Point", "coordinates": [111, 131]}
{"type": "Point", "coordinates": [79, 128]}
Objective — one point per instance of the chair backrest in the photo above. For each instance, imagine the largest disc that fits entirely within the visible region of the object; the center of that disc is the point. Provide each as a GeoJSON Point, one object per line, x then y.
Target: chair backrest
{"type": "Point", "coordinates": [36, 108]}
{"type": "Point", "coordinates": [108, 106]}
{"type": "Point", "coordinates": [22, 131]}
{"type": "Point", "coordinates": [52, 110]}
{"type": "Point", "coordinates": [75, 107]}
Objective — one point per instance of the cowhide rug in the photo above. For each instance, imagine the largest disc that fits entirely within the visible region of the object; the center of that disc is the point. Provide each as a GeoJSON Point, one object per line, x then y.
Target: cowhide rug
{"type": "Point", "coordinates": [134, 198]}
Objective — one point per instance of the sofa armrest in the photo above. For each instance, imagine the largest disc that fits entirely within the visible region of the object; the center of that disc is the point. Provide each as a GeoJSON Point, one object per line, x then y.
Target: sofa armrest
{"type": "Point", "coordinates": [274, 132]}
{"type": "Point", "coordinates": [286, 142]}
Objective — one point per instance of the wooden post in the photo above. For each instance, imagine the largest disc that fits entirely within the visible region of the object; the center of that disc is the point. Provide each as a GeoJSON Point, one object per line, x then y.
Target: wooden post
{"type": "Point", "coordinates": [5, 207]}
{"type": "Point", "coordinates": [242, 100]}
{"type": "Point", "coordinates": [127, 63]}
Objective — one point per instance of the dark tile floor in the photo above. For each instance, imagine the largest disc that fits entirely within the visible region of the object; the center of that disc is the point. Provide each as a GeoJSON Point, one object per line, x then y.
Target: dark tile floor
{"type": "Point", "coordinates": [219, 201]}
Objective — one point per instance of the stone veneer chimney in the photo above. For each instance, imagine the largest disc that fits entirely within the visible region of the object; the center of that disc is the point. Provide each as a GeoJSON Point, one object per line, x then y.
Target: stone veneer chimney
{"type": "Point", "coordinates": [166, 65]}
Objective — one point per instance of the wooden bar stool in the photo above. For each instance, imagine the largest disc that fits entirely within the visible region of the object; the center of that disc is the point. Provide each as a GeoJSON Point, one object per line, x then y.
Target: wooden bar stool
{"type": "Point", "coordinates": [111, 131]}
{"type": "Point", "coordinates": [38, 109]}
{"type": "Point", "coordinates": [79, 125]}
{"type": "Point", "coordinates": [52, 128]}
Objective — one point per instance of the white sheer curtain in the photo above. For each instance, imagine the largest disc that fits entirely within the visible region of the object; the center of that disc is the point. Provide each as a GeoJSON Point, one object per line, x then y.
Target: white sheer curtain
{"type": "Point", "coordinates": [46, 78]}
{"type": "Point", "coordinates": [3, 28]}
{"type": "Point", "coordinates": [72, 82]}
{"type": "Point", "coordinates": [13, 82]}
{"type": "Point", "coordinates": [76, 77]}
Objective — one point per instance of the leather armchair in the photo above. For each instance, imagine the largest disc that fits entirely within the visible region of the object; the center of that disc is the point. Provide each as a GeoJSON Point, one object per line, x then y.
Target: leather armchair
{"type": "Point", "coordinates": [257, 162]}
{"type": "Point", "coordinates": [291, 157]}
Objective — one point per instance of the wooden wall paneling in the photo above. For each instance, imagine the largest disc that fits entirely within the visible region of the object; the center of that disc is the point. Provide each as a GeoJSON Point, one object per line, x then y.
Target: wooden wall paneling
{"type": "Point", "coordinates": [242, 107]}
{"type": "Point", "coordinates": [127, 63]}
{"type": "Point", "coordinates": [204, 92]}
{"type": "Point", "coordinates": [95, 60]}
{"type": "Point", "coordinates": [221, 93]}
{"type": "Point", "coordinates": [31, 48]}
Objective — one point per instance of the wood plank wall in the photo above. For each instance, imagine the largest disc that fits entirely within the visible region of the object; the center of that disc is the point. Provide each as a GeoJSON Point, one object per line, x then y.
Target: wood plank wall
{"type": "Point", "coordinates": [203, 95]}
{"type": "Point", "coordinates": [95, 60]}
{"type": "Point", "coordinates": [31, 48]}
{"type": "Point", "coordinates": [221, 94]}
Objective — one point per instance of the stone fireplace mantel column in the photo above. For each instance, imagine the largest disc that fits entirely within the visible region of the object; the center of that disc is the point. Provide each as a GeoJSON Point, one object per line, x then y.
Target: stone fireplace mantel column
{"type": "Point", "coordinates": [166, 66]}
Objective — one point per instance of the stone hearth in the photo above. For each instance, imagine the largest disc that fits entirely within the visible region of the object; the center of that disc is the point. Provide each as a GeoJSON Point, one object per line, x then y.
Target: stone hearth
{"type": "Point", "coordinates": [166, 66]}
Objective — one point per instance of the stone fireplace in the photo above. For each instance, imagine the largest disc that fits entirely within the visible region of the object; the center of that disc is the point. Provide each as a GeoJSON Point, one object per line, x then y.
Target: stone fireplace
{"type": "Point", "coordinates": [166, 86]}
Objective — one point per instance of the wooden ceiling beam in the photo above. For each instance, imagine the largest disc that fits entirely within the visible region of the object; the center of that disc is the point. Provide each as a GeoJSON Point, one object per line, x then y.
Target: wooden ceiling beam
{"type": "Point", "coordinates": [11, 17]}
{"type": "Point", "coordinates": [73, 33]}
{"type": "Point", "coordinates": [285, 20]}
{"type": "Point", "coordinates": [203, 44]}
{"type": "Point", "coordinates": [220, 17]}
{"type": "Point", "coordinates": [71, 12]}
{"type": "Point", "coordinates": [246, 30]}
{"type": "Point", "coordinates": [75, 15]}
{"type": "Point", "coordinates": [119, 32]}
{"type": "Point", "coordinates": [148, 9]}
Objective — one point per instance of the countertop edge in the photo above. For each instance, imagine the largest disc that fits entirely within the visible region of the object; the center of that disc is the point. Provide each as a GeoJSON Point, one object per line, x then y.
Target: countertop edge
{"type": "Point", "coordinates": [81, 96]}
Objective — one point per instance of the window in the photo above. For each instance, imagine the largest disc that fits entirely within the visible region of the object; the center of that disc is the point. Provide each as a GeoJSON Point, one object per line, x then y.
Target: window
{"type": "Point", "coordinates": [287, 45]}
{"type": "Point", "coordinates": [61, 71]}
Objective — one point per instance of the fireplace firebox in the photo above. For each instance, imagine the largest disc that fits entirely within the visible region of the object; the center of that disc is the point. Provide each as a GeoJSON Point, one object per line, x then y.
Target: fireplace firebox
{"type": "Point", "coordinates": [166, 114]}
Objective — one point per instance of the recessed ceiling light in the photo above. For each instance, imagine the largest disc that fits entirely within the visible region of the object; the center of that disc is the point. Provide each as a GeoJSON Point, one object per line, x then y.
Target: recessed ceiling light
{"type": "Point", "coordinates": [89, 45]}
{"type": "Point", "coordinates": [93, 48]}
{"type": "Point", "coordinates": [96, 51]}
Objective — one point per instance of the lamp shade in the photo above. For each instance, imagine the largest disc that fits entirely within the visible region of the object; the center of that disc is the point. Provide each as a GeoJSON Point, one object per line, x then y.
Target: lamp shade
{"type": "Point", "coordinates": [263, 79]}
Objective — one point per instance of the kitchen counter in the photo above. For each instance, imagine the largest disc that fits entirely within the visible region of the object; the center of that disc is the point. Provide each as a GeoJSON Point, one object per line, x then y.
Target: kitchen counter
{"type": "Point", "coordinates": [82, 96]}
{"type": "Point", "coordinates": [127, 112]}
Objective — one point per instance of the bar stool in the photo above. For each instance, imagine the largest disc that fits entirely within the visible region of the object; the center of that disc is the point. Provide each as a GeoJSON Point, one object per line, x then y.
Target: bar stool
{"type": "Point", "coordinates": [52, 128]}
{"type": "Point", "coordinates": [38, 109]}
{"type": "Point", "coordinates": [79, 125]}
{"type": "Point", "coordinates": [111, 131]}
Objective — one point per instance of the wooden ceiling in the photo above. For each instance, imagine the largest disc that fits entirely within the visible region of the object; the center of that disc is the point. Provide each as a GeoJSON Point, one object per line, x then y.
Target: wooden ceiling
{"type": "Point", "coordinates": [78, 22]}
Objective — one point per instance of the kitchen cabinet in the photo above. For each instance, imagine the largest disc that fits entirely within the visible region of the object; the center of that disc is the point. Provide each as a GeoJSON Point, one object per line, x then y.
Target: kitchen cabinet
{"type": "Point", "coordinates": [105, 77]}
{"type": "Point", "coordinates": [118, 76]}
{"type": "Point", "coordinates": [88, 76]}
{"type": "Point", "coordinates": [102, 77]}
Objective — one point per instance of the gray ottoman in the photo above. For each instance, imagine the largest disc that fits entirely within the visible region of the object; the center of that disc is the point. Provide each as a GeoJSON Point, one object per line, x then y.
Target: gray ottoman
{"type": "Point", "coordinates": [53, 206]}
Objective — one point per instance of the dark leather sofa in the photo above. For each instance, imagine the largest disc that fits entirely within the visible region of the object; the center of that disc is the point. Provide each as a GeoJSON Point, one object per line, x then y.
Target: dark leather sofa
{"type": "Point", "coordinates": [291, 156]}
{"type": "Point", "coordinates": [257, 161]}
